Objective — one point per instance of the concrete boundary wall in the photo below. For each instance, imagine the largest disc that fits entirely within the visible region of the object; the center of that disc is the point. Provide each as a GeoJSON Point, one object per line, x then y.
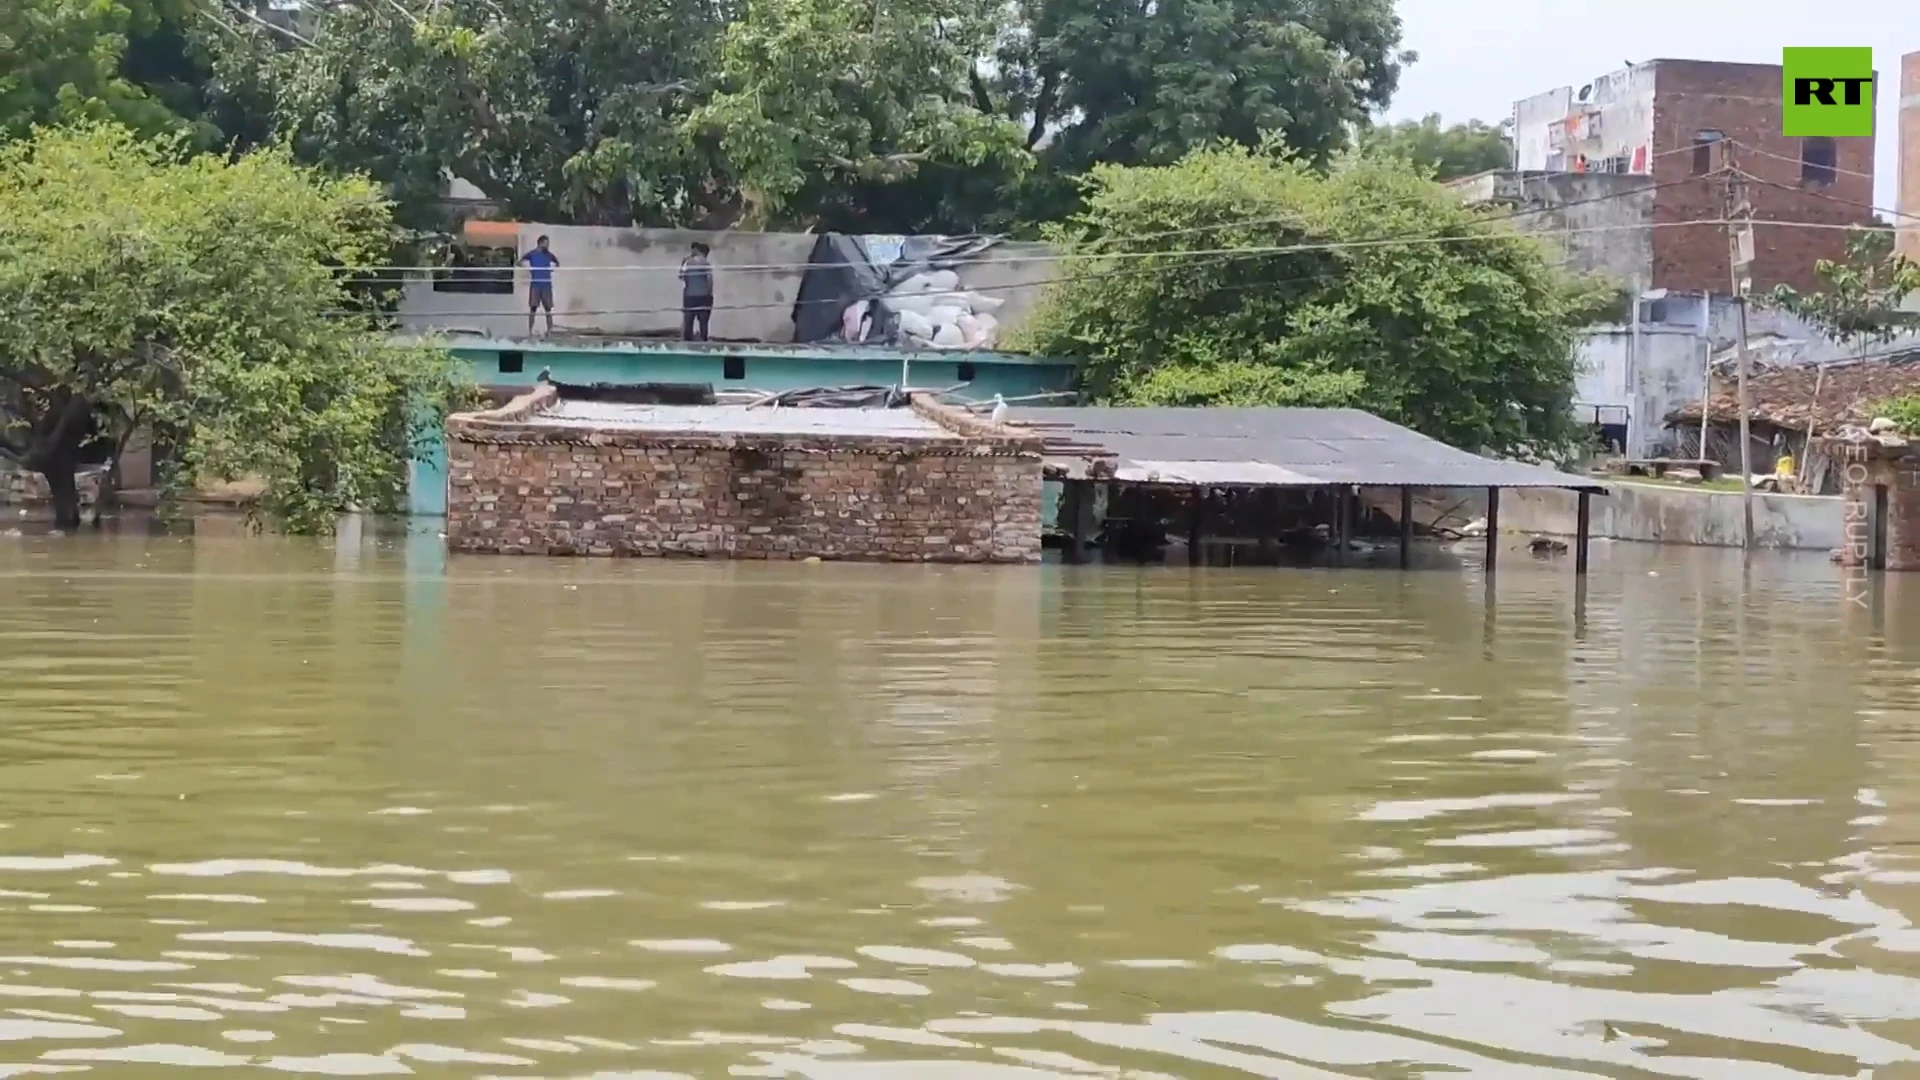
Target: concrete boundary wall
{"type": "Point", "coordinates": [1673, 515]}
{"type": "Point", "coordinates": [625, 283]}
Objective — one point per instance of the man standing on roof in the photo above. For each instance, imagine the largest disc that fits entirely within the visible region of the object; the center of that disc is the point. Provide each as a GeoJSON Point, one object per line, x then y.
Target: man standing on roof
{"type": "Point", "coordinates": [696, 293]}
{"type": "Point", "coordinates": [540, 263]}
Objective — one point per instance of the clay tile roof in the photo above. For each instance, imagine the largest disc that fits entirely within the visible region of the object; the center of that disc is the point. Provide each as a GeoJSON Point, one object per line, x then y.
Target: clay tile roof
{"type": "Point", "coordinates": [1849, 390]}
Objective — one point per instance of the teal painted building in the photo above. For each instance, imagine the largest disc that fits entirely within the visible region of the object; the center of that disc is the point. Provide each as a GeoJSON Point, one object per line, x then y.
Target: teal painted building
{"type": "Point", "coordinates": [495, 362]}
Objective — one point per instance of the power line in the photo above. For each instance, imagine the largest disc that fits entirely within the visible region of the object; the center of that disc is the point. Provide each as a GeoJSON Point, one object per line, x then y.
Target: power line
{"type": "Point", "coordinates": [1215, 253]}
{"type": "Point", "coordinates": [1750, 178]}
{"type": "Point", "coordinates": [1797, 161]}
{"type": "Point", "coordinates": [407, 273]}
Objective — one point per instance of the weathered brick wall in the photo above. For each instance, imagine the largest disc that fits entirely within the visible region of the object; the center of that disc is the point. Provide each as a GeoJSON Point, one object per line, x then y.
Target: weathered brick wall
{"type": "Point", "coordinates": [518, 487]}
{"type": "Point", "coordinates": [1865, 467]}
{"type": "Point", "coordinates": [1742, 102]}
{"type": "Point", "coordinates": [18, 487]}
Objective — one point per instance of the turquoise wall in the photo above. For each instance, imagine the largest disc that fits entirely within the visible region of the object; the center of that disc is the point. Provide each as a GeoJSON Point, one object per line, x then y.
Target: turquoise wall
{"type": "Point", "coordinates": [767, 368]}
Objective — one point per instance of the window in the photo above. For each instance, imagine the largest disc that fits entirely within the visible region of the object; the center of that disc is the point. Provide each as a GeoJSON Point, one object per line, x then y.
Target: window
{"type": "Point", "coordinates": [476, 270]}
{"type": "Point", "coordinates": [1653, 311]}
{"type": "Point", "coordinates": [512, 361]}
{"type": "Point", "coordinates": [1703, 151]}
{"type": "Point", "coordinates": [964, 372]}
{"type": "Point", "coordinates": [1818, 159]}
{"type": "Point", "coordinates": [733, 367]}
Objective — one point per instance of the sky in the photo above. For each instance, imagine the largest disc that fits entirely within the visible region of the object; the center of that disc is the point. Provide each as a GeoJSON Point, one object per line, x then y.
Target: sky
{"type": "Point", "coordinates": [1477, 57]}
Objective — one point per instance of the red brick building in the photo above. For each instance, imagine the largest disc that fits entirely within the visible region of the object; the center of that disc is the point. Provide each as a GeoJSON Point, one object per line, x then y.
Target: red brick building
{"type": "Point", "coordinates": [1679, 123]}
{"type": "Point", "coordinates": [1909, 193]}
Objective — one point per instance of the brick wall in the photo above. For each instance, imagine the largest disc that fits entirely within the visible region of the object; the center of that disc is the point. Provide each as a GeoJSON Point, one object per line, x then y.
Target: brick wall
{"type": "Point", "coordinates": [1909, 176]}
{"type": "Point", "coordinates": [1742, 102]}
{"type": "Point", "coordinates": [1865, 467]}
{"type": "Point", "coordinates": [516, 486]}
{"type": "Point", "coordinates": [18, 487]}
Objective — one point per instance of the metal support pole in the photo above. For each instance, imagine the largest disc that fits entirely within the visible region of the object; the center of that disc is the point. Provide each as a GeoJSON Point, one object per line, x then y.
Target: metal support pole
{"type": "Point", "coordinates": [1581, 532]}
{"type": "Point", "coordinates": [1406, 527]}
{"type": "Point", "coordinates": [1493, 526]}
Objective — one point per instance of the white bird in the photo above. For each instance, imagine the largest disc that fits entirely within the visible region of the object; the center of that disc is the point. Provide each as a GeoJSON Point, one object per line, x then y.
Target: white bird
{"type": "Point", "coordinates": [999, 409]}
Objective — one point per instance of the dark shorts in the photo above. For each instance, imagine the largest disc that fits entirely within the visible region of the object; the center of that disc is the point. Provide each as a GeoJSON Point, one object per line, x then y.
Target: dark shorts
{"type": "Point", "coordinates": [540, 296]}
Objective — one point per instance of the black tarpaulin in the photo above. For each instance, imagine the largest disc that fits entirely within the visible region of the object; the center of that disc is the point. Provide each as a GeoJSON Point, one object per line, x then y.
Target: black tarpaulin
{"type": "Point", "coordinates": [838, 275]}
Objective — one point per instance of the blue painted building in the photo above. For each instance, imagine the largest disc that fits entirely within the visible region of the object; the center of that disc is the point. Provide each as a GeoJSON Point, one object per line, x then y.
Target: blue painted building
{"type": "Point", "coordinates": [497, 362]}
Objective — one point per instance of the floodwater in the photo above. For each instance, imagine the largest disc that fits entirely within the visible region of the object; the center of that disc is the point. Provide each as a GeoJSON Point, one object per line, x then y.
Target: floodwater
{"type": "Point", "coordinates": [362, 810]}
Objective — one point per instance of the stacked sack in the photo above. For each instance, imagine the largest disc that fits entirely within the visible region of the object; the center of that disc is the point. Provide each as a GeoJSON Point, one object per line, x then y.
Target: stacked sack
{"type": "Point", "coordinates": [933, 311]}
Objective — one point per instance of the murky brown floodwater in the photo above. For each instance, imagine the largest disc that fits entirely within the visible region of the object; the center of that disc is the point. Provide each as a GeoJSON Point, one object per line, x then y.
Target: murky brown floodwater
{"type": "Point", "coordinates": [269, 804]}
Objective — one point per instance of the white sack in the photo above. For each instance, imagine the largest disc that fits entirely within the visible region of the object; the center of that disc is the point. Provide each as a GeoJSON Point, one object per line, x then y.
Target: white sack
{"type": "Point", "coordinates": [914, 324]}
{"type": "Point", "coordinates": [920, 303]}
{"type": "Point", "coordinates": [941, 280]}
{"type": "Point", "coordinates": [949, 337]}
{"type": "Point", "coordinates": [945, 316]}
{"type": "Point", "coordinates": [851, 319]}
{"type": "Point", "coordinates": [977, 303]}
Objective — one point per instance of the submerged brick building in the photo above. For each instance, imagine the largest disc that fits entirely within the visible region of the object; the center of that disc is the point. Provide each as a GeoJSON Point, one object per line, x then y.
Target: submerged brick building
{"type": "Point", "coordinates": [1880, 507]}
{"type": "Point", "coordinates": [549, 475]}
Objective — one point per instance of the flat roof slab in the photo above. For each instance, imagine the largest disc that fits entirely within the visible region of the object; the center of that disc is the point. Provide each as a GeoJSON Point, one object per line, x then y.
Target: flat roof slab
{"type": "Point", "coordinates": [743, 420]}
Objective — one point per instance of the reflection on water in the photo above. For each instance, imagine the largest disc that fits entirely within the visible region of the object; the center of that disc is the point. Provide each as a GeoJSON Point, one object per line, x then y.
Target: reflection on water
{"type": "Point", "coordinates": [358, 809]}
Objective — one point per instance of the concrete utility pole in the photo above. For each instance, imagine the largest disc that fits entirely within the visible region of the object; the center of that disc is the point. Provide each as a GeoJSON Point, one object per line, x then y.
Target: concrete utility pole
{"type": "Point", "coordinates": [1739, 216]}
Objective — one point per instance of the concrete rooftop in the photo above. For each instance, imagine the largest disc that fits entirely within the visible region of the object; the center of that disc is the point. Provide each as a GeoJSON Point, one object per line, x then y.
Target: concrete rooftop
{"type": "Point", "coordinates": [742, 420]}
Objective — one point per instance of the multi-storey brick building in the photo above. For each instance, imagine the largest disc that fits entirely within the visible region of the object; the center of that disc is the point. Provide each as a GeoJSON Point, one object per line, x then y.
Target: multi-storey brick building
{"type": "Point", "coordinates": [1677, 124]}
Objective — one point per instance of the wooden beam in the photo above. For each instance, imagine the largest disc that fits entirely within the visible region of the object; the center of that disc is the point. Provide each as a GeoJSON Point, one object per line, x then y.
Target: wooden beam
{"type": "Point", "coordinates": [1076, 506]}
{"type": "Point", "coordinates": [1581, 531]}
{"type": "Point", "coordinates": [1343, 516]}
{"type": "Point", "coordinates": [1406, 527]}
{"type": "Point", "coordinates": [1493, 527]}
{"type": "Point", "coordinates": [1195, 526]}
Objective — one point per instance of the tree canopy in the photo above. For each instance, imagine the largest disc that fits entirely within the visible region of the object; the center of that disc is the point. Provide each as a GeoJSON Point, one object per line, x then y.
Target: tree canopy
{"type": "Point", "coordinates": [133, 62]}
{"type": "Point", "coordinates": [563, 110]}
{"type": "Point", "coordinates": [209, 298]}
{"type": "Point", "coordinates": [1243, 276]}
{"type": "Point", "coordinates": [945, 114]}
{"type": "Point", "coordinates": [1450, 151]}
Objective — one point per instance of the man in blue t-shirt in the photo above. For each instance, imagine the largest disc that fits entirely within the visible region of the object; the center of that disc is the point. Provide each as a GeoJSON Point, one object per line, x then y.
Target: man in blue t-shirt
{"type": "Point", "coordinates": [540, 263]}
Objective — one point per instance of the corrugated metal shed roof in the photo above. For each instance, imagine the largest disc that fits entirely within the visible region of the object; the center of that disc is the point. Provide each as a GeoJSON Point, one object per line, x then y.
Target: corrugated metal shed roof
{"type": "Point", "coordinates": [1277, 447]}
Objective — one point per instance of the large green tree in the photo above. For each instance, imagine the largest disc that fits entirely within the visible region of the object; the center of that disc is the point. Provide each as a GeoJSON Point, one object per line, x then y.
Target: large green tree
{"type": "Point", "coordinates": [823, 103]}
{"type": "Point", "coordinates": [207, 298]}
{"type": "Point", "coordinates": [141, 63]}
{"type": "Point", "coordinates": [1450, 150]}
{"type": "Point", "coordinates": [563, 110]}
{"type": "Point", "coordinates": [1142, 82]}
{"type": "Point", "coordinates": [1243, 276]}
{"type": "Point", "coordinates": [913, 115]}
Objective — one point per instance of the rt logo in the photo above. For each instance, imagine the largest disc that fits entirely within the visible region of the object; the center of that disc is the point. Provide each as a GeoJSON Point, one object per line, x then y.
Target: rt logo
{"type": "Point", "coordinates": [1827, 92]}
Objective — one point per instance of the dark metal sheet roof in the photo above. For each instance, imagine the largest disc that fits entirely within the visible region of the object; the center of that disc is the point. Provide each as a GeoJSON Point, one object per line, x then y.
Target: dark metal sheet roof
{"type": "Point", "coordinates": [1280, 447]}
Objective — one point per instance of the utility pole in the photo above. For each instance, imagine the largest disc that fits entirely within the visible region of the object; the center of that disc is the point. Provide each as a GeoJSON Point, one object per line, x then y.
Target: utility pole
{"type": "Point", "coordinates": [1739, 217]}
